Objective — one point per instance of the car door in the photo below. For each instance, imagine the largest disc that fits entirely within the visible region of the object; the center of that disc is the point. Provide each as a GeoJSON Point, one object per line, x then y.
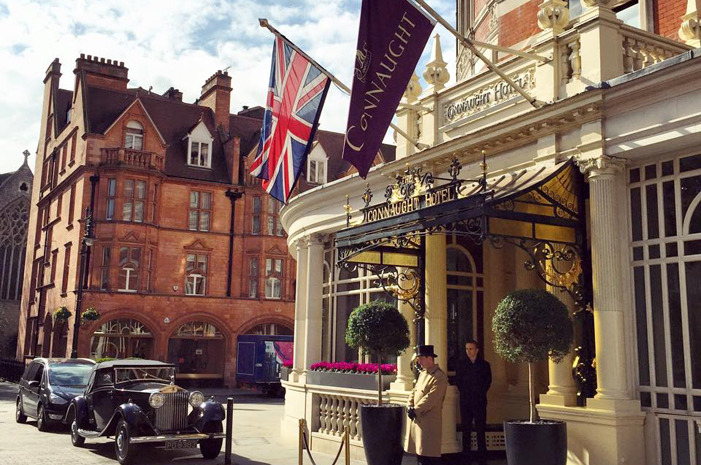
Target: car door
{"type": "Point", "coordinates": [23, 385]}
{"type": "Point", "coordinates": [31, 398]}
{"type": "Point", "coordinates": [102, 398]}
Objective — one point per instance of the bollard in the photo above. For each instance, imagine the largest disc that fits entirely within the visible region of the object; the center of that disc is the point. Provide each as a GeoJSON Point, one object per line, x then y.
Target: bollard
{"type": "Point", "coordinates": [229, 429]}
{"type": "Point", "coordinates": [346, 438]}
{"type": "Point", "coordinates": [300, 460]}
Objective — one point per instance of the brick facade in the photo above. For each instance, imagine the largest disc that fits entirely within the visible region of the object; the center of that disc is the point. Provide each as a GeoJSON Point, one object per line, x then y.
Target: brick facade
{"type": "Point", "coordinates": [667, 17]}
{"type": "Point", "coordinates": [162, 227]}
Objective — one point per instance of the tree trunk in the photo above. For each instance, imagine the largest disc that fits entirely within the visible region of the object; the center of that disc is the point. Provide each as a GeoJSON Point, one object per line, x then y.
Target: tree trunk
{"type": "Point", "coordinates": [531, 397]}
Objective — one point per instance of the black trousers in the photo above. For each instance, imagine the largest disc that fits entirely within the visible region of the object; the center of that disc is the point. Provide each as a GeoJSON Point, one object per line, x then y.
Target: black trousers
{"type": "Point", "coordinates": [477, 413]}
{"type": "Point", "coordinates": [424, 460]}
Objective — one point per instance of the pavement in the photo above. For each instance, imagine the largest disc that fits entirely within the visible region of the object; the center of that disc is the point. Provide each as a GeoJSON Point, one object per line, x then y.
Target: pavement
{"type": "Point", "coordinates": [256, 438]}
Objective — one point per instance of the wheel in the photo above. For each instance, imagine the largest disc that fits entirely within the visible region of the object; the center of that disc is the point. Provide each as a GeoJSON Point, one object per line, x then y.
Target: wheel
{"type": "Point", "coordinates": [125, 452]}
{"type": "Point", "coordinates": [43, 423]}
{"type": "Point", "coordinates": [210, 448]}
{"type": "Point", "coordinates": [20, 417]}
{"type": "Point", "coordinates": [76, 439]}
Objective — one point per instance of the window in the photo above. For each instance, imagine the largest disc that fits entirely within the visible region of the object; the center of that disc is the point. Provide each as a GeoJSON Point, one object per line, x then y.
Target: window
{"type": "Point", "coordinates": [253, 277]}
{"type": "Point", "coordinates": [195, 274]}
{"type": "Point", "coordinates": [105, 269]}
{"type": "Point", "coordinates": [54, 260]}
{"type": "Point", "coordinates": [200, 205]}
{"type": "Point", "coordinates": [134, 136]}
{"type": "Point", "coordinates": [274, 225]}
{"type": "Point", "coordinates": [64, 156]}
{"type": "Point", "coordinates": [129, 262]}
{"type": "Point", "coordinates": [199, 154]}
{"type": "Point", "coordinates": [66, 268]}
{"type": "Point", "coordinates": [149, 270]}
{"type": "Point", "coordinates": [316, 172]}
{"type": "Point", "coordinates": [74, 141]}
{"type": "Point", "coordinates": [255, 226]}
{"type": "Point", "coordinates": [134, 195]}
{"type": "Point", "coordinates": [71, 205]}
{"type": "Point", "coordinates": [111, 192]}
{"type": "Point", "coordinates": [273, 278]}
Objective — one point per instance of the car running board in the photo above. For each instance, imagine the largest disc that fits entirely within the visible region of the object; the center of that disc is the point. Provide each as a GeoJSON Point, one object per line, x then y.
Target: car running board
{"type": "Point", "coordinates": [88, 434]}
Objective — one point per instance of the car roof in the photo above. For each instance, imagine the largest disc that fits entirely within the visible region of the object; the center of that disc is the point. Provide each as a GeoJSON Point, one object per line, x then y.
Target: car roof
{"type": "Point", "coordinates": [66, 361]}
{"type": "Point", "coordinates": [132, 363]}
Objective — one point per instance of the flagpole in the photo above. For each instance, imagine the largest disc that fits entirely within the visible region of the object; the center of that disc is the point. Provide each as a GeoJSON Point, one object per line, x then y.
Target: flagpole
{"type": "Point", "coordinates": [468, 43]}
{"type": "Point", "coordinates": [264, 23]}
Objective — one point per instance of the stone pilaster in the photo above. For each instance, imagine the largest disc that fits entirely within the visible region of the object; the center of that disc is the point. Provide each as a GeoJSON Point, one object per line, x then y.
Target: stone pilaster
{"type": "Point", "coordinates": [314, 283]}
{"type": "Point", "coordinates": [436, 296]}
{"type": "Point", "coordinates": [405, 377]}
{"type": "Point", "coordinates": [300, 309]}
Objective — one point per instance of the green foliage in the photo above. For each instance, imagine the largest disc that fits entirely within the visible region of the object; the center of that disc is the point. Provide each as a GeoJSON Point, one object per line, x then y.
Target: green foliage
{"type": "Point", "coordinates": [104, 359]}
{"type": "Point", "coordinates": [378, 328]}
{"type": "Point", "coordinates": [531, 325]}
{"type": "Point", "coordinates": [91, 314]}
{"type": "Point", "coordinates": [62, 313]}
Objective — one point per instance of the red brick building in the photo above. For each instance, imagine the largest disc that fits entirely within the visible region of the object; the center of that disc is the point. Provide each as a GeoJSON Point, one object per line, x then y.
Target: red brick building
{"type": "Point", "coordinates": [188, 251]}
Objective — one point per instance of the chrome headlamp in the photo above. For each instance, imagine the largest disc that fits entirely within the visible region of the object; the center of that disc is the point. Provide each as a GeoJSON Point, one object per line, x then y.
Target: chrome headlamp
{"type": "Point", "coordinates": [157, 399]}
{"type": "Point", "coordinates": [196, 398]}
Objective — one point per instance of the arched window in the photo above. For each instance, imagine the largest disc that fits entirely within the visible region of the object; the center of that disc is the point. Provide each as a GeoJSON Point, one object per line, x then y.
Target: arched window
{"type": "Point", "coordinates": [271, 329]}
{"type": "Point", "coordinates": [198, 350]}
{"type": "Point", "coordinates": [129, 263]}
{"type": "Point", "coordinates": [122, 338]}
{"type": "Point", "coordinates": [134, 136]}
{"type": "Point", "coordinates": [13, 240]}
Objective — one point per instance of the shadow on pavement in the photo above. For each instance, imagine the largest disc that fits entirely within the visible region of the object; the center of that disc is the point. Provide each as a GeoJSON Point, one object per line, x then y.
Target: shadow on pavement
{"type": "Point", "coordinates": [8, 391]}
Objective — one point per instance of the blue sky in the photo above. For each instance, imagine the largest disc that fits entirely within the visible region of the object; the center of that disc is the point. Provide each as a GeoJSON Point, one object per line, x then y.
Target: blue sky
{"type": "Point", "coordinates": [172, 43]}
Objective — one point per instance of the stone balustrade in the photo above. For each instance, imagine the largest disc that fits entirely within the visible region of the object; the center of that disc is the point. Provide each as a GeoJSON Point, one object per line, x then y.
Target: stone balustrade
{"type": "Point", "coordinates": [132, 158]}
{"type": "Point", "coordinates": [642, 49]}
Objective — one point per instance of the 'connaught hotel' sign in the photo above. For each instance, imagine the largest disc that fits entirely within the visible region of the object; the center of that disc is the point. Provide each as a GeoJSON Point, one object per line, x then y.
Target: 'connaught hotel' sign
{"type": "Point", "coordinates": [488, 96]}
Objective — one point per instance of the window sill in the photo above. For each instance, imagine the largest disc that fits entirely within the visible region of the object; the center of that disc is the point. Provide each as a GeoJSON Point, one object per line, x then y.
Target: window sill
{"type": "Point", "coordinates": [69, 227]}
{"type": "Point", "coordinates": [128, 291]}
{"type": "Point", "coordinates": [194, 295]}
{"type": "Point", "coordinates": [272, 298]}
{"type": "Point", "coordinates": [64, 294]}
{"type": "Point", "coordinates": [71, 163]}
{"type": "Point", "coordinates": [62, 172]}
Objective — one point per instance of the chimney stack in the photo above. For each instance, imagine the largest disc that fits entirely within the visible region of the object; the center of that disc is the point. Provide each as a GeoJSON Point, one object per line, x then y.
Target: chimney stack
{"type": "Point", "coordinates": [99, 72]}
{"type": "Point", "coordinates": [216, 94]}
{"type": "Point", "coordinates": [174, 94]}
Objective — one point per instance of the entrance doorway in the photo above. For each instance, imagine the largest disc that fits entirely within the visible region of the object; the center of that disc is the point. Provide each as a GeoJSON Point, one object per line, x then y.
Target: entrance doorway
{"type": "Point", "coordinates": [198, 350]}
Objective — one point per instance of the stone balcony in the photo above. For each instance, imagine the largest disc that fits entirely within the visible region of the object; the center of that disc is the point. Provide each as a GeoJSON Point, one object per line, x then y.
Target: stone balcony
{"type": "Point", "coordinates": [120, 156]}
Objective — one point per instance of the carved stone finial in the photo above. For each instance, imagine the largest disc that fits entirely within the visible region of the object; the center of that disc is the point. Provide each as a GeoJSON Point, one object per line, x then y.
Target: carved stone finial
{"type": "Point", "coordinates": [597, 3]}
{"type": "Point", "coordinates": [690, 29]}
{"type": "Point", "coordinates": [553, 14]}
{"type": "Point", "coordinates": [436, 73]}
{"type": "Point", "coordinates": [413, 89]}
{"type": "Point", "coordinates": [26, 156]}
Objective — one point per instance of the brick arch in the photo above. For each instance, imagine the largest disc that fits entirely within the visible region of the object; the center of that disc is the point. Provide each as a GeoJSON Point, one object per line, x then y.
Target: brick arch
{"type": "Point", "coordinates": [209, 318]}
{"type": "Point", "coordinates": [120, 314]}
{"type": "Point", "coordinates": [265, 319]}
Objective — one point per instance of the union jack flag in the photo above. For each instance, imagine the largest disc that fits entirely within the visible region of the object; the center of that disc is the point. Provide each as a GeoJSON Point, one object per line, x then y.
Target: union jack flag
{"type": "Point", "coordinates": [296, 94]}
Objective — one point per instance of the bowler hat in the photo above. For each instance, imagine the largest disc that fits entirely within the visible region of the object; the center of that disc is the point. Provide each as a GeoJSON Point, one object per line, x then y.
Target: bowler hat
{"type": "Point", "coordinates": [425, 351]}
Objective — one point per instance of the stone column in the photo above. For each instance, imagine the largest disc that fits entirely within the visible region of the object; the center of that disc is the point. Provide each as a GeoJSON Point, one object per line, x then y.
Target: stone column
{"type": "Point", "coordinates": [405, 377]}
{"type": "Point", "coordinates": [300, 309]}
{"type": "Point", "coordinates": [314, 290]}
{"type": "Point", "coordinates": [436, 297]}
{"type": "Point", "coordinates": [609, 266]}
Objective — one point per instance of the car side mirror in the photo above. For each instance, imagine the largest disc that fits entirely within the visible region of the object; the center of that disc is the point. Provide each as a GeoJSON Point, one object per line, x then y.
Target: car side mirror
{"type": "Point", "coordinates": [33, 383]}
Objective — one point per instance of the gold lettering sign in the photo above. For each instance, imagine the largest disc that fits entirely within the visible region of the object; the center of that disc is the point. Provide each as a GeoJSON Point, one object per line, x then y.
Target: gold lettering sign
{"type": "Point", "coordinates": [430, 198]}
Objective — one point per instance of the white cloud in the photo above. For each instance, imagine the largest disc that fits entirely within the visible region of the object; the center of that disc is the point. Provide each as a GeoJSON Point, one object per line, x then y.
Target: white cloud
{"type": "Point", "coordinates": [176, 43]}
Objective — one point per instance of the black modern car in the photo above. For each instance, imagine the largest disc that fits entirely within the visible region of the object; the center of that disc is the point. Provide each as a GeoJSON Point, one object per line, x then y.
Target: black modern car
{"type": "Point", "coordinates": [137, 402]}
{"type": "Point", "coordinates": [47, 387]}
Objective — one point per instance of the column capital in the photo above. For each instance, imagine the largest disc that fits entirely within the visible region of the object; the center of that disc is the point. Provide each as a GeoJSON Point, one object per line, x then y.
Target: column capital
{"type": "Point", "coordinates": [301, 243]}
{"type": "Point", "coordinates": [316, 239]}
{"type": "Point", "coordinates": [602, 165]}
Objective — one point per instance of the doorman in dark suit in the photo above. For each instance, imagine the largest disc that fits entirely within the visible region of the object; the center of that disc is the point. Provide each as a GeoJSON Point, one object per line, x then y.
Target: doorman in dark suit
{"type": "Point", "coordinates": [473, 379]}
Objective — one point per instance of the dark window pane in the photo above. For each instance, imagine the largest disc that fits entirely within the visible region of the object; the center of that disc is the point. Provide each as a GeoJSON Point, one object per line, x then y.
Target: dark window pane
{"type": "Point", "coordinates": [692, 247]}
{"type": "Point", "coordinates": [635, 175]}
{"type": "Point", "coordinates": [693, 297]}
{"type": "Point", "coordinates": [637, 253]}
{"type": "Point", "coordinates": [690, 188]}
{"type": "Point", "coordinates": [653, 227]}
{"type": "Point", "coordinates": [667, 168]}
{"type": "Point", "coordinates": [690, 163]}
{"type": "Point", "coordinates": [654, 251]}
{"type": "Point", "coordinates": [641, 326]}
{"type": "Point", "coordinates": [680, 401]}
{"type": "Point", "coordinates": [636, 214]}
{"type": "Point", "coordinates": [697, 403]}
{"type": "Point", "coordinates": [681, 429]}
{"type": "Point", "coordinates": [645, 399]}
{"type": "Point", "coordinates": [650, 172]}
{"type": "Point", "coordinates": [662, 401]}
{"type": "Point", "coordinates": [665, 447]}
{"type": "Point", "coordinates": [670, 210]}
{"type": "Point", "coordinates": [675, 326]}
{"type": "Point", "coordinates": [658, 325]}
{"type": "Point", "coordinates": [672, 249]}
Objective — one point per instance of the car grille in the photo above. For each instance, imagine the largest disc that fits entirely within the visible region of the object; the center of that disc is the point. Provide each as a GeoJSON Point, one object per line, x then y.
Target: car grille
{"type": "Point", "coordinates": [173, 415]}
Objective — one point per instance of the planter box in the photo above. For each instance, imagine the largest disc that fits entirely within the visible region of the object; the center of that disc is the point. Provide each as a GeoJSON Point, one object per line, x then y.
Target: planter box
{"type": "Point", "coordinates": [348, 380]}
{"type": "Point", "coordinates": [284, 373]}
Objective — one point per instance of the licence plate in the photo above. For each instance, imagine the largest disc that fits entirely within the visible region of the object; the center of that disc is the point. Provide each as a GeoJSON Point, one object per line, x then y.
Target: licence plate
{"type": "Point", "coordinates": [181, 444]}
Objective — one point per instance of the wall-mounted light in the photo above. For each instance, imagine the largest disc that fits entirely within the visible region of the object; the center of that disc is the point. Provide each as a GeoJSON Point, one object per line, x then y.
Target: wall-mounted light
{"type": "Point", "coordinates": [175, 288]}
{"type": "Point", "coordinates": [166, 320]}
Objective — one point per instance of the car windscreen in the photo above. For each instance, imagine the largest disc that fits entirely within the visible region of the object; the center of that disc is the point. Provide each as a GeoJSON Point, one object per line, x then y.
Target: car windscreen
{"type": "Point", "coordinates": [123, 375]}
{"type": "Point", "coordinates": [67, 374]}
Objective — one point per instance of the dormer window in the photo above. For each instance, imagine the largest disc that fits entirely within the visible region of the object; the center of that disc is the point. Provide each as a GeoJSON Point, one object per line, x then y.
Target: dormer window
{"type": "Point", "coordinates": [134, 136]}
{"type": "Point", "coordinates": [199, 149]}
{"type": "Point", "coordinates": [317, 166]}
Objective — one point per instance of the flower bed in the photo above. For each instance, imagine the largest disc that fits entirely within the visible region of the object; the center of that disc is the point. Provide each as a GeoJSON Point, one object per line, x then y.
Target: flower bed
{"type": "Point", "coordinates": [353, 367]}
{"type": "Point", "coordinates": [350, 375]}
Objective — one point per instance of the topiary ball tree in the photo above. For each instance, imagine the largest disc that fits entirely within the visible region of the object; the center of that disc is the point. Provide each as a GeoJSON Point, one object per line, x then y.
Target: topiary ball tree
{"type": "Point", "coordinates": [378, 328]}
{"type": "Point", "coordinates": [532, 325]}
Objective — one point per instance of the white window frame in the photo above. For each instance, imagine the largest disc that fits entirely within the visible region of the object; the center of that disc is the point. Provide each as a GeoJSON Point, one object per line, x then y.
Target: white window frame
{"type": "Point", "coordinates": [134, 136]}
{"type": "Point", "coordinates": [196, 276]}
{"type": "Point", "coordinates": [201, 137]}
{"type": "Point", "coordinates": [317, 162]}
{"type": "Point", "coordinates": [273, 278]}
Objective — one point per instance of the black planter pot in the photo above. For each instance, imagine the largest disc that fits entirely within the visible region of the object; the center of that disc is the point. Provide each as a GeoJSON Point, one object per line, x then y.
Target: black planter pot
{"type": "Point", "coordinates": [381, 428]}
{"type": "Point", "coordinates": [539, 443]}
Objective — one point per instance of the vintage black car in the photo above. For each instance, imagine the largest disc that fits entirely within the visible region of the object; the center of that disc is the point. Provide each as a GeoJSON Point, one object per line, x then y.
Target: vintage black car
{"type": "Point", "coordinates": [47, 387]}
{"type": "Point", "coordinates": [137, 402]}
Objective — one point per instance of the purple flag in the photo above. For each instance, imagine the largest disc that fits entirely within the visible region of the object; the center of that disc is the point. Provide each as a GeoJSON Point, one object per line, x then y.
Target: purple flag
{"type": "Point", "coordinates": [392, 37]}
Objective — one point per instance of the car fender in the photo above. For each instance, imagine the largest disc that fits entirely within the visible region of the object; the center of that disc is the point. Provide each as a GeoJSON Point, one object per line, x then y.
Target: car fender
{"type": "Point", "coordinates": [132, 414]}
{"type": "Point", "coordinates": [79, 408]}
{"type": "Point", "coordinates": [207, 412]}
